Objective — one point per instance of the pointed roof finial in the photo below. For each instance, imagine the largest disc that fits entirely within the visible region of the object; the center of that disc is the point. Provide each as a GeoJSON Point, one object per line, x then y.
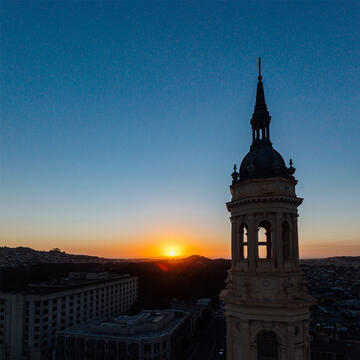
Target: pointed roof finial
{"type": "Point", "coordinates": [235, 175]}
{"type": "Point", "coordinates": [291, 169]}
{"type": "Point", "coordinates": [259, 77]}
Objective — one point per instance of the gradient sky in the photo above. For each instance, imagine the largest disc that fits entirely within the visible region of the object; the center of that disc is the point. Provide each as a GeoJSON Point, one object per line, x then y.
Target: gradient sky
{"type": "Point", "coordinates": [120, 122]}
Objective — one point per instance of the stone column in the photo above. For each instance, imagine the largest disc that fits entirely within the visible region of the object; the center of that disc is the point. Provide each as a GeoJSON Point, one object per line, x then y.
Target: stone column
{"type": "Point", "coordinates": [278, 242]}
{"type": "Point", "coordinates": [229, 355]}
{"type": "Point", "coordinates": [252, 242]}
{"type": "Point", "coordinates": [291, 245]}
{"type": "Point", "coordinates": [290, 336]}
{"type": "Point", "coordinates": [245, 336]}
{"type": "Point", "coordinates": [253, 351]}
{"type": "Point", "coordinates": [233, 242]}
{"type": "Point", "coordinates": [295, 239]}
{"type": "Point", "coordinates": [269, 245]}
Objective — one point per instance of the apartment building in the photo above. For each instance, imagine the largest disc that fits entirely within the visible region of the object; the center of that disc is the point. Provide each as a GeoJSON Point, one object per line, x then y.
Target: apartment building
{"type": "Point", "coordinates": [30, 318]}
{"type": "Point", "coordinates": [149, 335]}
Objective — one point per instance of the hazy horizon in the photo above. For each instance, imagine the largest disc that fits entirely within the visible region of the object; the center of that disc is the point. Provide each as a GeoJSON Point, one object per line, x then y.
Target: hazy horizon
{"type": "Point", "coordinates": [176, 257]}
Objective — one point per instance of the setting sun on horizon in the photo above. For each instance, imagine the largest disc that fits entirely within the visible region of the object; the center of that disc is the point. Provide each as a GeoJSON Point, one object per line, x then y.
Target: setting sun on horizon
{"type": "Point", "coordinates": [173, 251]}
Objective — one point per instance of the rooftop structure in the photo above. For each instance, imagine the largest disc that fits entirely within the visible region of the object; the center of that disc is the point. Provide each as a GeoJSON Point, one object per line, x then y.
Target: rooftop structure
{"type": "Point", "coordinates": [151, 334]}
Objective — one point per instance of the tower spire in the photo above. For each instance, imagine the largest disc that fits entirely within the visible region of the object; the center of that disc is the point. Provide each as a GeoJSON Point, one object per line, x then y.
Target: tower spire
{"type": "Point", "coordinates": [260, 120]}
{"type": "Point", "coordinates": [259, 77]}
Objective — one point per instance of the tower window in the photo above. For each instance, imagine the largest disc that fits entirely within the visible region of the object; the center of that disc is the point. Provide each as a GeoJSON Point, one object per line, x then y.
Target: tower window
{"type": "Point", "coordinates": [264, 240]}
{"type": "Point", "coordinates": [243, 243]}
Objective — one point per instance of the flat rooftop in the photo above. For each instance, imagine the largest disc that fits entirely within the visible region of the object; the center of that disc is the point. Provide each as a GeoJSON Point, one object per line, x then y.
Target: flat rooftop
{"type": "Point", "coordinates": [64, 284]}
{"type": "Point", "coordinates": [145, 325]}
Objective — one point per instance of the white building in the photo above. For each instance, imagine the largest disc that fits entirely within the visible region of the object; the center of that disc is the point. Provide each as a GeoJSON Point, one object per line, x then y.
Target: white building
{"type": "Point", "coordinates": [149, 335]}
{"type": "Point", "coordinates": [30, 318]}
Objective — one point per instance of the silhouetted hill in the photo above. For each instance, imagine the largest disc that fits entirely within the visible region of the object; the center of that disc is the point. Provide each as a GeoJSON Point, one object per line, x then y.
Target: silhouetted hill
{"type": "Point", "coordinates": [195, 259]}
{"type": "Point", "coordinates": [24, 256]}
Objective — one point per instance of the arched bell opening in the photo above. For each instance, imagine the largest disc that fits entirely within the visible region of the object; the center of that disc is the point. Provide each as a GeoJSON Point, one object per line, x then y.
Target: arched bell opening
{"type": "Point", "coordinates": [267, 346]}
{"type": "Point", "coordinates": [243, 242]}
{"type": "Point", "coordinates": [264, 240]}
{"type": "Point", "coordinates": [286, 241]}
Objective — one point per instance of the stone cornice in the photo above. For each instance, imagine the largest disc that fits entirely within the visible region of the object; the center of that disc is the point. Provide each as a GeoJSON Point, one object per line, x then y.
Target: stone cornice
{"type": "Point", "coordinates": [233, 298]}
{"type": "Point", "coordinates": [231, 204]}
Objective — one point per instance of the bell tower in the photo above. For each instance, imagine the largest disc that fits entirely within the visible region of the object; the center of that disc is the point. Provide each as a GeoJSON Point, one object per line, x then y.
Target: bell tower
{"type": "Point", "coordinates": [266, 303]}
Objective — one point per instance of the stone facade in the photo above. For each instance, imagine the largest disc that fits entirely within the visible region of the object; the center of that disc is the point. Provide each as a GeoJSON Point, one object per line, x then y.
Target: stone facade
{"type": "Point", "coordinates": [266, 303]}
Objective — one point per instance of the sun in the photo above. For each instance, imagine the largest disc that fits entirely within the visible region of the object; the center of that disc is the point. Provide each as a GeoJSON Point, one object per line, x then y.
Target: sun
{"type": "Point", "coordinates": [172, 251]}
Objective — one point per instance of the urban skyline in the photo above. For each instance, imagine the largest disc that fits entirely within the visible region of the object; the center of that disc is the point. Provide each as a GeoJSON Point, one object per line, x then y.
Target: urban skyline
{"type": "Point", "coordinates": [121, 122]}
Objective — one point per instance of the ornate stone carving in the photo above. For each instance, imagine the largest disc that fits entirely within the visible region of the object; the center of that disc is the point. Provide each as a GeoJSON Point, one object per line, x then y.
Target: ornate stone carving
{"type": "Point", "coordinates": [267, 325]}
{"type": "Point", "coordinates": [245, 290]}
{"type": "Point", "coordinates": [238, 327]}
{"type": "Point", "coordinates": [288, 287]}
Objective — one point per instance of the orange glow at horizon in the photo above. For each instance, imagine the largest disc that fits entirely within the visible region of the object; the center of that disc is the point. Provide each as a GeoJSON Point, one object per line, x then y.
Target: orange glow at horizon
{"type": "Point", "coordinates": [171, 244]}
{"type": "Point", "coordinates": [157, 246]}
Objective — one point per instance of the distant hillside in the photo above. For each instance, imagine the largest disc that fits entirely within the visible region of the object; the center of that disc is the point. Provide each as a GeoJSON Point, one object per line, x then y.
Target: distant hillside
{"type": "Point", "coordinates": [193, 259]}
{"type": "Point", "coordinates": [25, 256]}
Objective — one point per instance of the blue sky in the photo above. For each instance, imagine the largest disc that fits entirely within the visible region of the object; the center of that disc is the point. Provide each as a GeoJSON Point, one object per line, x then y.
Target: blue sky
{"type": "Point", "coordinates": [121, 121]}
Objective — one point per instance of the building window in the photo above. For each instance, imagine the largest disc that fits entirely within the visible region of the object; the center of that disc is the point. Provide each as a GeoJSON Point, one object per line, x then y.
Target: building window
{"type": "Point", "coordinates": [147, 349]}
{"type": "Point", "coordinates": [264, 240]}
{"type": "Point", "coordinates": [266, 346]}
{"type": "Point", "coordinates": [286, 244]}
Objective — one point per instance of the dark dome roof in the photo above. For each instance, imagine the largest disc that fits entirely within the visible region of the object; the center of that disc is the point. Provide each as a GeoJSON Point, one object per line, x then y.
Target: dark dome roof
{"type": "Point", "coordinates": [263, 161]}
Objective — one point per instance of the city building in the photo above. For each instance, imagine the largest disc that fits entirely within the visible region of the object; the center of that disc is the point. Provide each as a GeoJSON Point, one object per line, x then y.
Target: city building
{"type": "Point", "coordinates": [334, 351]}
{"type": "Point", "coordinates": [30, 318]}
{"type": "Point", "coordinates": [196, 309]}
{"type": "Point", "coordinates": [266, 301]}
{"type": "Point", "coordinates": [149, 335]}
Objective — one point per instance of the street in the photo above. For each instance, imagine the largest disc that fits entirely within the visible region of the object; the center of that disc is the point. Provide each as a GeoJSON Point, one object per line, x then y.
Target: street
{"type": "Point", "coordinates": [211, 342]}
